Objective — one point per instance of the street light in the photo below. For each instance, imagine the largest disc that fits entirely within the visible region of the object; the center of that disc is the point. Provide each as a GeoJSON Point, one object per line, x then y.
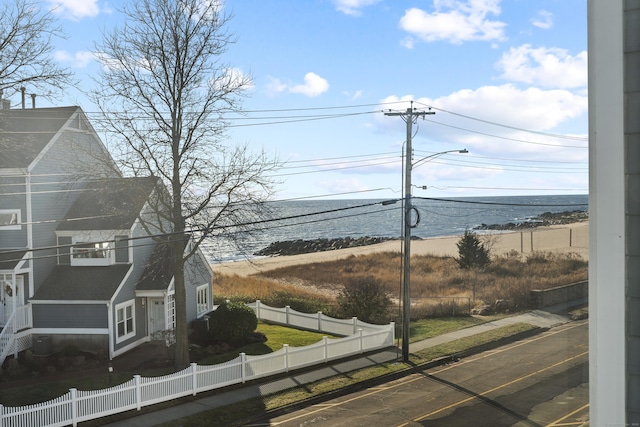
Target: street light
{"type": "Point", "coordinates": [408, 207]}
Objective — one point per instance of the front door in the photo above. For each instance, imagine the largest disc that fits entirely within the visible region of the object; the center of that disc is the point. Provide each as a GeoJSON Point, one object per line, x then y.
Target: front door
{"type": "Point", "coordinates": [157, 316]}
{"type": "Point", "coordinates": [11, 295]}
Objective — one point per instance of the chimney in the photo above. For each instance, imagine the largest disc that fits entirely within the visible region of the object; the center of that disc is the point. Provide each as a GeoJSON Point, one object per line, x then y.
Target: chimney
{"type": "Point", "coordinates": [23, 90]}
{"type": "Point", "coordinates": [33, 100]}
{"type": "Point", "coordinates": [5, 104]}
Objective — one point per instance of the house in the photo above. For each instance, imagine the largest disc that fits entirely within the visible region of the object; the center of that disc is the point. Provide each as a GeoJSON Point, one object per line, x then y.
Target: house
{"type": "Point", "coordinates": [81, 259]}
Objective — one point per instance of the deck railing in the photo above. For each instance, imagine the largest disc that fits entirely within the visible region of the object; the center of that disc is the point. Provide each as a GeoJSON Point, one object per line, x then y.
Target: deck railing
{"type": "Point", "coordinates": [10, 340]}
{"type": "Point", "coordinates": [78, 406]}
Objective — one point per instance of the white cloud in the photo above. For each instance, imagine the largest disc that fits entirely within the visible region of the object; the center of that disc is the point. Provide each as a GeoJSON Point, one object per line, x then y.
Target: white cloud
{"type": "Point", "coordinates": [314, 85]}
{"type": "Point", "coordinates": [275, 86]}
{"type": "Point", "coordinates": [456, 21]}
{"type": "Point", "coordinates": [75, 10]}
{"type": "Point", "coordinates": [234, 78]}
{"type": "Point", "coordinates": [543, 20]}
{"type": "Point", "coordinates": [477, 112]}
{"type": "Point", "coordinates": [547, 67]}
{"type": "Point", "coordinates": [78, 60]}
{"type": "Point", "coordinates": [353, 96]}
{"type": "Point", "coordinates": [353, 7]}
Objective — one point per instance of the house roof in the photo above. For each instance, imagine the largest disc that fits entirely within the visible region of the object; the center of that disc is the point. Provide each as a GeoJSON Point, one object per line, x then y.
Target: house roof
{"type": "Point", "coordinates": [82, 283]}
{"type": "Point", "coordinates": [158, 272]}
{"type": "Point", "coordinates": [25, 132]}
{"type": "Point", "coordinates": [109, 204]}
{"type": "Point", "coordinates": [9, 259]}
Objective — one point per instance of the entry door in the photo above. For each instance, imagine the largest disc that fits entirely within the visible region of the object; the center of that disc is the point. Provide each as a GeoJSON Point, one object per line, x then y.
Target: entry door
{"type": "Point", "coordinates": [11, 294]}
{"type": "Point", "coordinates": [157, 315]}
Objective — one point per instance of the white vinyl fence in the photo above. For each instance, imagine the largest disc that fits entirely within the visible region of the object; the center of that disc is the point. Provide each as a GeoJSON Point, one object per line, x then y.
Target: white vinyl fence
{"type": "Point", "coordinates": [77, 405]}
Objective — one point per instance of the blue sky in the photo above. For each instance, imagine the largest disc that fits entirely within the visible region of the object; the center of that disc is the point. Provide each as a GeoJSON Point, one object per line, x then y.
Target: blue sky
{"type": "Point", "coordinates": [506, 78]}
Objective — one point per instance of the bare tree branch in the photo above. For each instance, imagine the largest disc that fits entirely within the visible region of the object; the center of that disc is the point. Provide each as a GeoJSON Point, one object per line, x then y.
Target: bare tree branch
{"type": "Point", "coordinates": [26, 37]}
{"type": "Point", "coordinates": [163, 92]}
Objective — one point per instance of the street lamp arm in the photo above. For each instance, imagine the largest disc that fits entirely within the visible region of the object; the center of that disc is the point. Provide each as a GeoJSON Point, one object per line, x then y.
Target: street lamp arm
{"type": "Point", "coordinates": [424, 159]}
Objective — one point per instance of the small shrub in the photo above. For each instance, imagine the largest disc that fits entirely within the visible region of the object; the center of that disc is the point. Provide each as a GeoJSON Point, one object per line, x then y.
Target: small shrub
{"type": "Point", "coordinates": [472, 253]}
{"type": "Point", "coordinates": [232, 322]}
{"type": "Point", "coordinates": [365, 298]}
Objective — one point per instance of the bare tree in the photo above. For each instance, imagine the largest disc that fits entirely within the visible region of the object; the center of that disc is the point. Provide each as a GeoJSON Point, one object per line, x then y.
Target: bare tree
{"type": "Point", "coordinates": [164, 94]}
{"type": "Point", "coordinates": [26, 35]}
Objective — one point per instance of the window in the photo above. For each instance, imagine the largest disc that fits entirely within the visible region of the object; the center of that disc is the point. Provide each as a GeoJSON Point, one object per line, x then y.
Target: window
{"type": "Point", "coordinates": [91, 250]}
{"type": "Point", "coordinates": [125, 324]}
{"type": "Point", "coordinates": [171, 311]}
{"type": "Point", "coordinates": [202, 297]}
{"type": "Point", "coordinates": [64, 250]}
{"type": "Point", "coordinates": [10, 219]}
{"type": "Point", "coordinates": [122, 249]}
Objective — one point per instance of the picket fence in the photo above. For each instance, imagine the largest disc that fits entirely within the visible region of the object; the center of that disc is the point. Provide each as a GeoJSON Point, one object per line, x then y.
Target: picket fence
{"type": "Point", "coordinates": [78, 406]}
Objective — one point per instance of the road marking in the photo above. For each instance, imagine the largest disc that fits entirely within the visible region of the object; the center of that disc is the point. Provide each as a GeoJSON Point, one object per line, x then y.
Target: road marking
{"type": "Point", "coordinates": [557, 423]}
{"type": "Point", "coordinates": [468, 399]}
{"type": "Point", "coordinates": [415, 377]}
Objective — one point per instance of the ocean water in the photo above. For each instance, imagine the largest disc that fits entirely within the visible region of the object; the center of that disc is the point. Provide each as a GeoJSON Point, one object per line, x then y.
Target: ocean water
{"type": "Point", "coordinates": [315, 219]}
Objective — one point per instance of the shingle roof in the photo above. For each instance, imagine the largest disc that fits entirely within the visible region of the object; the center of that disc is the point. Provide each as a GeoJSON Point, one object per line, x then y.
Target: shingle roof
{"type": "Point", "coordinates": [25, 132]}
{"type": "Point", "coordinates": [9, 259]}
{"type": "Point", "coordinates": [159, 271]}
{"type": "Point", "coordinates": [67, 283]}
{"type": "Point", "coordinates": [109, 204]}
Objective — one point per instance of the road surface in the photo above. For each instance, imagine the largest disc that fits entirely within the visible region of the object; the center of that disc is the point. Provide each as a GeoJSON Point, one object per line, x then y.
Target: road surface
{"type": "Point", "coordinates": [541, 381]}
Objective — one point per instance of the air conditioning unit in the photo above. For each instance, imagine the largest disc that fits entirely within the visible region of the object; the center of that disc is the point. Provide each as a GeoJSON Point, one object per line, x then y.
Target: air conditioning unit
{"type": "Point", "coordinates": [42, 345]}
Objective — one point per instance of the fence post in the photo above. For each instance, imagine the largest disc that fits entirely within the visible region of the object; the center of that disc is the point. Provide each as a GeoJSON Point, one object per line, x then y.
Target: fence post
{"type": "Point", "coordinates": [286, 357]}
{"type": "Point", "coordinates": [286, 309]}
{"type": "Point", "coordinates": [136, 380]}
{"type": "Point", "coordinates": [355, 324]}
{"type": "Point", "coordinates": [319, 321]}
{"type": "Point", "coordinates": [74, 409]}
{"type": "Point", "coordinates": [243, 360]}
{"type": "Point", "coordinates": [361, 343]}
{"type": "Point", "coordinates": [392, 325]}
{"type": "Point", "coordinates": [325, 341]}
{"type": "Point", "coordinates": [258, 309]}
{"type": "Point", "coordinates": [570, 237]}
{"type": "Point", "coordinates": [194, 377]}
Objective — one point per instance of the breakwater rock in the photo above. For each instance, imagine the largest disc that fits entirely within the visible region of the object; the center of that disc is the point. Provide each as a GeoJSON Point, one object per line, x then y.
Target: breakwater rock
{"type": "Point", "coordinates": [295, 247]}
{"type": "Point", "coordinates": [545, 219]}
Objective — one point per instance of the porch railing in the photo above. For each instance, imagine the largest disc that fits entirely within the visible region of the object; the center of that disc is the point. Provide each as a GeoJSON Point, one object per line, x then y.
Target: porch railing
{"type": "Point", "coordinates": [20, 319]}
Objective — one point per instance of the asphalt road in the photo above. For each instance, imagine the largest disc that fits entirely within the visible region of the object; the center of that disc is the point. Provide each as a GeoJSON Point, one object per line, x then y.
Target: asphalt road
{"type": "Point", "coordinates": [541, 381]}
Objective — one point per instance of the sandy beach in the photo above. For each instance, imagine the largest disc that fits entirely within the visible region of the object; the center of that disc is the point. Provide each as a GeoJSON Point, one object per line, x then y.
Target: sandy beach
{"type": "Point", "coordinates": [562, 238]}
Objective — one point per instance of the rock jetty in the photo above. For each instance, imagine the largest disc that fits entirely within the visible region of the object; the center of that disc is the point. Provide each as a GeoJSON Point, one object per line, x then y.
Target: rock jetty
{"type": "Point", "coordinates": [295, 247]}
{"type": "Point", "coordinates": [543, 220]}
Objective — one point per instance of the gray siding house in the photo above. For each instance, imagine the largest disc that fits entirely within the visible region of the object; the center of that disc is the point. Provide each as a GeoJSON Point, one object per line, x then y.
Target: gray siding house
{"type": "Point", "coordinates": [77, 262]}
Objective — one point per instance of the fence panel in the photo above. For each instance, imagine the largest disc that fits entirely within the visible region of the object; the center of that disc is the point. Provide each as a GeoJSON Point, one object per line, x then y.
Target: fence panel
{"type": "Point", "coordinates": [156, 389]}
{"type": "Point", "coordinates": [265, 365]}
{"type": "Point", "coordinates": [56, 412]}
{"type": "Point", "coordinates": [94, 404]}
{"type": "Point", "coordinates": [303, 320]}
{"type": "Point", "coordinates": [210, 377]}
{"type": "Point", "coordinates": [300, 357]}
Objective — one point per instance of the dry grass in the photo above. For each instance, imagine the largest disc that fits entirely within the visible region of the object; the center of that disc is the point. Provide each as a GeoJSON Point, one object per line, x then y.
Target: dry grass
{"type": "Point", "coordinates": [508, 278]}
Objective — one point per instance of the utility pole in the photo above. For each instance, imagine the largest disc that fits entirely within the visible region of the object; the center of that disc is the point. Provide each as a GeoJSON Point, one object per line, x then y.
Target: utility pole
{"type": "Point", "coordinates": [410, 116]}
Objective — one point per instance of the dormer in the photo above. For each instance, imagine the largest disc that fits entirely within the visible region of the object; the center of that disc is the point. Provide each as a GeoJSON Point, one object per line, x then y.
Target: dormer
{"type": "Point", "coordinates": [84, 249]}
{"type": "Point", "coordinates": [97, 229]}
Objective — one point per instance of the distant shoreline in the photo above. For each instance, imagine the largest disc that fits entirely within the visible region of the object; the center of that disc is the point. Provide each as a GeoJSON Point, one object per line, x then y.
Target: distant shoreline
{"type": "Point", "coordinates": [301, 246]}
{"type": "Point", "coordinates": [564, 238]}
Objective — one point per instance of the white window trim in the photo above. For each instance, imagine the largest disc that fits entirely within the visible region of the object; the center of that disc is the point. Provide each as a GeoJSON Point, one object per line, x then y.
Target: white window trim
{"type": "Point", "coordinates": [18, 213]}
{"type": "Point", "coordinates": [202, 309]}
{"type": "Point", "coordinates": [123, 306]}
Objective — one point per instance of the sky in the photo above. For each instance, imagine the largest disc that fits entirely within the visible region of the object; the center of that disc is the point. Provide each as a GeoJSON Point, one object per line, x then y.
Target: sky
{"type": "Point", "coordinates": [507, 80]}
